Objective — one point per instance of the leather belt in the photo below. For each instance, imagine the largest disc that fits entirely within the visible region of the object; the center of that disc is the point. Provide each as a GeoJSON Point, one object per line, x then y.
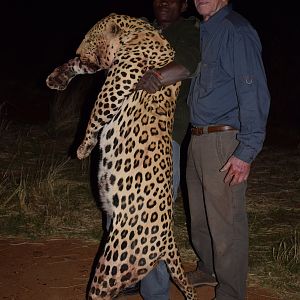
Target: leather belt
{"type": "Point", "coordinates": [210, 129]}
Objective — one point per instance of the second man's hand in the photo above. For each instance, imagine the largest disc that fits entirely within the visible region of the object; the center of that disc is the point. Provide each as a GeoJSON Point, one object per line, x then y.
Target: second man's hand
{"type": "Point", "coordinates": [154, 79]}
{"type": "Point", "coordinates": [151, 82]}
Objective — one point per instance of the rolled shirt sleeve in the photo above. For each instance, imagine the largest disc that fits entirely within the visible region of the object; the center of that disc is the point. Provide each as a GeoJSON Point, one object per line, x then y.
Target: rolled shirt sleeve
{"type": "Point", "coordinates": [183, 36]}
{"type": "Point", "coordinates": [252, 93]}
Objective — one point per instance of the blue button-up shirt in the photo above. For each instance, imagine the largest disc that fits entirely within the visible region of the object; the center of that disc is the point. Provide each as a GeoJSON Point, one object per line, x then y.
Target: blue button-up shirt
{"type": "Point", "coordinates": [231, 88]}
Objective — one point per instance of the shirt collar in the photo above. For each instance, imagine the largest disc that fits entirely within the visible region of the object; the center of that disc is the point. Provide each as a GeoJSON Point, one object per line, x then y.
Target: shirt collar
{"type": "Point", "coordinates": [213, 22]}
{"type": "Point", "coordinates": [156, 25]}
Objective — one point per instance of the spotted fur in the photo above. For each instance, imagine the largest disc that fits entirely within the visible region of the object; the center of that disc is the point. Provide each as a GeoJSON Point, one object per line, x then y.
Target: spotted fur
{"type": "Point", "coordinates": [135, 168]}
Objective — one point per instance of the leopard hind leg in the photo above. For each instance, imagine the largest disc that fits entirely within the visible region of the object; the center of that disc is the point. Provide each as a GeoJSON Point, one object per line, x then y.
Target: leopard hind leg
{"type": "Point", "coordinates": [176, 270]}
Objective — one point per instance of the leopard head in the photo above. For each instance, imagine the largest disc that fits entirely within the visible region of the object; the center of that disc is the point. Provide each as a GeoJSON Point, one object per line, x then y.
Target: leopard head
{"type": "Point", "coordinates": [105, 38]}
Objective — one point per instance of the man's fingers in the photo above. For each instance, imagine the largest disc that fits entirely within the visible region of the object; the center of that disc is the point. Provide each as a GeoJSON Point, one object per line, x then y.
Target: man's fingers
{"type": "Point", "coordinates": [225, 167]}
{"type": "Point", "coordinates": [235, 180]}
{"type": "Point", "coordinates": [228, 178]}
{"type": "Point", "coordinates": [148, 86]}
{"type": "Point", "coordinates": [235, 177]}
{"type": "Point", "coordinates": [149, 83]}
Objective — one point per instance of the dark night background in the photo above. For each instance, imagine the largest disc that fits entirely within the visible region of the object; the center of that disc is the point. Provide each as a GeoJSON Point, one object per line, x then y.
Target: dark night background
{"type": "Point", "coordinates": [37, 36]}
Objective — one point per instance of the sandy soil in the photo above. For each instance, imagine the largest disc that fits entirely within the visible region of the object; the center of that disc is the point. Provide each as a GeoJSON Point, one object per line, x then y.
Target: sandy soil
{"type": "Point", "coordinates": [57, 269]}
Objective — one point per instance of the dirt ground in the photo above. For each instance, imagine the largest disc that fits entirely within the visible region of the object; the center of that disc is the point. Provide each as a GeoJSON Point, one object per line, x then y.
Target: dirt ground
{"type": "Point", "coordinates": [59, 269]}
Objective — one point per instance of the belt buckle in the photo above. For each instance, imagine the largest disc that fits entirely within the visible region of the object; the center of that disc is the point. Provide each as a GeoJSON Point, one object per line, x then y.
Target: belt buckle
{"type": "Point", "coordinates": [205, 130]}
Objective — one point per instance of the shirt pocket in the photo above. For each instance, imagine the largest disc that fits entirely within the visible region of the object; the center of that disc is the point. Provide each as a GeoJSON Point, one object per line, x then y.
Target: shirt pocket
{"type": "Point", "coordinates": [208, 73]}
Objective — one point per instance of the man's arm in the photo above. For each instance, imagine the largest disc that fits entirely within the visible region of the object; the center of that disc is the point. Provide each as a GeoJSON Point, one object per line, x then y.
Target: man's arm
{"type": "Point", "coordinates": [252, 94]}
{"type": "Point", "coordinates": [254, 100]}
{"type": "Point", "coordinates": [185, 42]}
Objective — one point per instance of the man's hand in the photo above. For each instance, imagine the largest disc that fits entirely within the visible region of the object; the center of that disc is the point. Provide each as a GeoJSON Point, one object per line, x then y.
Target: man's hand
{"type": "Point", "coordinates": [150, 82]}
{"type": "Point", "coordinates": [237, 171]}
{"type": "Point", "coordinates": [154, 79]}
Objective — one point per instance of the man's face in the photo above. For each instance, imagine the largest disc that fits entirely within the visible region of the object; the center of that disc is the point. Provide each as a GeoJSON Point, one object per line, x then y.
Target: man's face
{"type": "Point", "coordinates": [168, 11]}
{"type": "Point", "coordinates": [207, 8]}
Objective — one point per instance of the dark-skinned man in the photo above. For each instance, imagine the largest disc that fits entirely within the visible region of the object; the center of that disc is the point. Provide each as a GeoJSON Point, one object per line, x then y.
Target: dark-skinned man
{"type": "Point", "coordinates": [183, 35]}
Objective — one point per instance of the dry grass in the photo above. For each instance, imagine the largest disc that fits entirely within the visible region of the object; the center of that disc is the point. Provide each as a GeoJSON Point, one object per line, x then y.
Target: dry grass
{"type": "Point", "coordinates": [45, 193]}
{"type": "Point", "coordinates": [287, 253]}
{"type": "Point", "coordinates": [273, 206]}
{"type": "Point", "coordinates": [42, 191]}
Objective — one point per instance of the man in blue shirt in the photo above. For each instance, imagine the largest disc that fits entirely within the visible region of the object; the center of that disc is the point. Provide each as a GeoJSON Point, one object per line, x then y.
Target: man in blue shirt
{"type": "Point", "coordinates": [229, 104]}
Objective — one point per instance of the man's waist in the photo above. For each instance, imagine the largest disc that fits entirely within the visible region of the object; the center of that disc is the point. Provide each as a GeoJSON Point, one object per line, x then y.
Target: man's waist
{"type": "Point", "coordinates": [200, 130]}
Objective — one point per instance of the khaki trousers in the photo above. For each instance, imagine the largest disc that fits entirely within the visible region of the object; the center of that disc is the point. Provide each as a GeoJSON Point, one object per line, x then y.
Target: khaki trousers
{"type": "Point", "coordinates": [219, 227]}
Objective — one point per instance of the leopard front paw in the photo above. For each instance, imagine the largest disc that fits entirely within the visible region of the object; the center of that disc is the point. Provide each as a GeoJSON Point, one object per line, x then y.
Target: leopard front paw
{"type": "Point", "coordinates": [58, 79]}
{"type": "Point", "coordinates": [86, 147]}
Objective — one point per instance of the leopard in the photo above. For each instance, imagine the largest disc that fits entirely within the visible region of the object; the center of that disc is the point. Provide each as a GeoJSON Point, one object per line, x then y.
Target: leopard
{"type": "Point", "coordinates": [134, 130]}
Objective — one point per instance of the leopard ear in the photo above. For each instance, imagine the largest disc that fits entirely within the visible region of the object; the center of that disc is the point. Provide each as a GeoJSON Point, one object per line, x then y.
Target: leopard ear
{"type": "Point", "coordinates": [115, 29]}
